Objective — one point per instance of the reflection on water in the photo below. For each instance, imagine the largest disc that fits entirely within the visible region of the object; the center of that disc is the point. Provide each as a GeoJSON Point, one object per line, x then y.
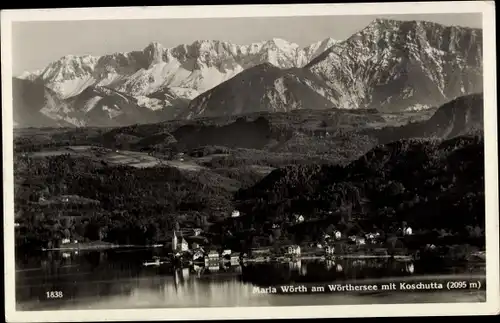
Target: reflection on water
{"type": "Point", "coordinates": [117, 279]}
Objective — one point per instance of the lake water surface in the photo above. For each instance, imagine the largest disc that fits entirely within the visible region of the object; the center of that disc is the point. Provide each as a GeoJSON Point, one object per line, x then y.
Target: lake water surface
{"type": "Point", "coordinates": [117, 279]}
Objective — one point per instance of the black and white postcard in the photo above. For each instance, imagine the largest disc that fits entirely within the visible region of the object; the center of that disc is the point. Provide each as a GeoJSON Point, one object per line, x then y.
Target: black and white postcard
{"type": "Point", "coordinates": [228, 162]}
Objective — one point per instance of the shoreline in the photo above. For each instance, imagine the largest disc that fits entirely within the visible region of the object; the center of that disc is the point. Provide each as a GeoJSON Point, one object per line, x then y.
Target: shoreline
{"type": "Point", "coordinates": [100, 246]}
{"type": "Point", "coordinates": [269, 258]}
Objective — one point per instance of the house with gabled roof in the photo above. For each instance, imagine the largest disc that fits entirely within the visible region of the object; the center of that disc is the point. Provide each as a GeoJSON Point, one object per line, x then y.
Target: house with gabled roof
{"type": "Point", "coordinates": [298, 218]}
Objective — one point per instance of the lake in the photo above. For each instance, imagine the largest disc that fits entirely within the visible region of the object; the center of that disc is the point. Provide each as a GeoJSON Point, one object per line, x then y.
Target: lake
{"type": "Point", "coordinates": [117, 279]}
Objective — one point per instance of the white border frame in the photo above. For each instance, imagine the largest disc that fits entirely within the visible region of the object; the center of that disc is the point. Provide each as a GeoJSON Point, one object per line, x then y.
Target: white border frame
{"type": "Point", "coordinates": [491, 306]}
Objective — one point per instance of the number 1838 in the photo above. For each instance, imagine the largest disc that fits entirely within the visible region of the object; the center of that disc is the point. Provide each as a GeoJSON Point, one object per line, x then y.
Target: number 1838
{"type": "Point", "coordinates": [54, 294]}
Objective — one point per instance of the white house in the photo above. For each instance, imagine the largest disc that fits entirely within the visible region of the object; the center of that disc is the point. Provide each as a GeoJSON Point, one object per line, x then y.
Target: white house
{"type": "Point", "coordinates": [360, 241]}
{"type": "Point", "coordinates": [299, 218]}
{"type": "Point", "coordinates": [212, 259]}
{"type": "Point", "coordinates": [235, 259]}
{"type": "Point", "coordinates": [235, 214]}
{"type": "Point", "coordinates": [430, 246]}
{"type": "Point", "coordinates": [226, 252]}
{"type": "Point", "coordinates": [329, 250]}
{"type": "Point", "coordinates": [65, 241]}
{"type": "Point", "coordinates": [407, 231]}
{"type": "Point", "coordinates": [213, 255]}
{"type": "Point", "coordinates": [293, 250]}
{"type": "Point", "coordinates": [338, 235]}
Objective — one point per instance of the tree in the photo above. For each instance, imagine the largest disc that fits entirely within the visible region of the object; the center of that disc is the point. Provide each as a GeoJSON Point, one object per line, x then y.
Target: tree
{"type": "Point", "coordinates": [277, 233]}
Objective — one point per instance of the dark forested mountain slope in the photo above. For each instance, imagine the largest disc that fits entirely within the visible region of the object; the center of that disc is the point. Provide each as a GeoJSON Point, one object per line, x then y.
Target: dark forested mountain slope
{"type": "Point", "coordinates": [428, 184]}
{"type": "Point", "coordinates": [263, 88]}
{"type": "Point", "coordinates": [463, 115]}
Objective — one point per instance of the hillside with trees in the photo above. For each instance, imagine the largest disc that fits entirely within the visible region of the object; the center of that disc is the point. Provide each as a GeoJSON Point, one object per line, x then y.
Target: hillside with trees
{"type": "Point", "coordinates": [340, 170]}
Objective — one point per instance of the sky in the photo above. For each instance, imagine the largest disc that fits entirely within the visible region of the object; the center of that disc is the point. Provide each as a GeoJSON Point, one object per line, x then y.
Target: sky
{"type": "Point", "coordinates": [35, 44]}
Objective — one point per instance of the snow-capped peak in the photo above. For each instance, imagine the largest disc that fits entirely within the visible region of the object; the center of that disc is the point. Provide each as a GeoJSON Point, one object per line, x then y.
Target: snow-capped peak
{"type": "Point", "coordinates": [384, 65]}
{"type": "Point", "coordinates": [154, 47]}
{"type": "Point", "coordinates": [198, 66]}
{"type": "Point", "coordinates": [82, 59]}
{"type": "Point", "coordinates": [154, 52]}
{"type": "Point", "coordinates": [70, 75]}
{"type": "Point", "coordinates": [313, 50]}
{"type": "Point", "coordinates": [283, 44]}
{"type": "Point", "coordinates": [30, 75]}
{"type": "Point", "coordinates": [154, 44]}
{"type": "Point", "coordinates": [68, 64]}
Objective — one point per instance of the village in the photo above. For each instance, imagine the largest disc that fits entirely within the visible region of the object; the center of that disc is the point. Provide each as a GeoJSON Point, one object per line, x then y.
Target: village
{"type": "Point", "coordinates": [189, 247]}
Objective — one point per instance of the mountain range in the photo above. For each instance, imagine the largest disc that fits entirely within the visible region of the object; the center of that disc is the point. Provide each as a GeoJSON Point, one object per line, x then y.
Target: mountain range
{"type": "Point", "coordinates": [389, 65]}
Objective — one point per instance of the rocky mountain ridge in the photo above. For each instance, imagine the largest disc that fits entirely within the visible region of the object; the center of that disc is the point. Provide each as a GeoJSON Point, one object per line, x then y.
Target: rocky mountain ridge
{"type": "Point", "coordinates": [390, 65]}
{"type": "Point", "coordinates": [183, 66]}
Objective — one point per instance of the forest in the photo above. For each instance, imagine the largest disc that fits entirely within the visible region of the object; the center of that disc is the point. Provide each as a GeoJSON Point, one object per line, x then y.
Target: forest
{"type": "Point", "coordinates": [340, 170]}
{"type": "Point", "coordinates": [436, 187]}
